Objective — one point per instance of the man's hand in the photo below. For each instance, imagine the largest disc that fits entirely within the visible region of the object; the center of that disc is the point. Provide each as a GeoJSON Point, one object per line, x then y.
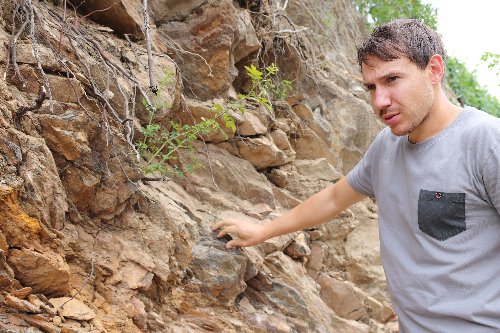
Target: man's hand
{"type": "Point", "coordinates": [247, 233]}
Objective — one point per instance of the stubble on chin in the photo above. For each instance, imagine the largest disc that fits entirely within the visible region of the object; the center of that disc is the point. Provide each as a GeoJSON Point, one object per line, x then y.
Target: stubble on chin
{"type": "Point", "coordinates": [415, 123]}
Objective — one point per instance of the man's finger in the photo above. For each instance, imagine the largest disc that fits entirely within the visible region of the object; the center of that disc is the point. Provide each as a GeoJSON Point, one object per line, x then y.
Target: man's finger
{"type": "Point", "coordinates": [221, 224]}
{"type": "Point", "coordinates": [222, 233]}
{"type": "Point", "coordinates": [226, 230]}
{"type": "Point", "coordinates": [234, 243]}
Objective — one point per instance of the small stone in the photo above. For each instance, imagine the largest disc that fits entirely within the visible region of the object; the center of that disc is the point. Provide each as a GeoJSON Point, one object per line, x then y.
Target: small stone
{"type": "Point", "coordinates": [32, 269]}
{"type": "Point", "coordinates": [72, 308]}
{"type": "Point", "coordinates": [20, 304]}
{"type": "Point", "coordinates": [136, 276]}
{"type": "Point", "coordinates": [22, 293]}
{"type": "Point", "coordinates": [136, 311]}
{"type": "Point", "coordinates": [315, 234]}
{"type": "Point", "coordinates": [259, 210]}
{"type": "Point", "coordinates": [220, 272]}
{"type": "Point", "coordinates": [245, 305]}
{"type": "Point", "coordinates": [41, 323]}
{"type": "Point", "coordinates": [13, 323]}
{"type": "Point", "coordinates": [71, 326]}
{"type": "Point", "coordinates": [155, 322]}
{"type": "Point", "coordinates": [298, 248]}
{"type": "Point", "coordinates": [35, 301]}
{"type": "Point", "coordinates": [277, 325]}
{"type": "Point", "coordinates": [341, 297]}
{"type": "Point", "coordinates": [317, 255]}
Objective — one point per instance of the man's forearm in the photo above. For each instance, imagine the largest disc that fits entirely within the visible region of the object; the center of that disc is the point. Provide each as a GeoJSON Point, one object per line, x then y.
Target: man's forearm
{"type": "Point", "coordinates": [319, 208]}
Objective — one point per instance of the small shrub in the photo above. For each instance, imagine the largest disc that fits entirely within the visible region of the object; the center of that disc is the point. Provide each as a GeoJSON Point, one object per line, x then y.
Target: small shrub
{"type": "Point", "coordinates": [266, 89]}
{"type": "Point", "coordinates": [159, 146]}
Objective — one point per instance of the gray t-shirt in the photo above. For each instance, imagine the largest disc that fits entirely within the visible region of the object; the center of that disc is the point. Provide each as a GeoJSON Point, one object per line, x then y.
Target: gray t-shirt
{"type": "Point", "coordinates": [439, 215]}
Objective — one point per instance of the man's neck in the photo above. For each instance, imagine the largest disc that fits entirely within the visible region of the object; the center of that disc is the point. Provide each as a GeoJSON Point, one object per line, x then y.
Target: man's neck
{"type": "Point", "coordinates": [442, 114]}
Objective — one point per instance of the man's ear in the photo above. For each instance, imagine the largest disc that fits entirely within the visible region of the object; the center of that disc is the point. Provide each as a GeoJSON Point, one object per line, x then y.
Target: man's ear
{"type": "Point", "coordinates": [436, 68]}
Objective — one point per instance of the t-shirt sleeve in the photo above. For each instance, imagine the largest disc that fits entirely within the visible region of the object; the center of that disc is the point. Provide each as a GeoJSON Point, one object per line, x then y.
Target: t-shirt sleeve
{"type": "Point", "coordinates": [491, 177]}
{"type": "Point", "coordinates": [361, 177]}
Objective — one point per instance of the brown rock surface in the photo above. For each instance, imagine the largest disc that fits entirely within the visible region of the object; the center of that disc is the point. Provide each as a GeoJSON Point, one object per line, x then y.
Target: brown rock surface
{"type": "Point", "coordinates": [220, 272]}
{"type": "Point", "coordinates": [32, 269]}
{"type": "Point", "coordinates": [139, 255]}
{"type": "Point", "coordinates": [341, 297]}
{"type": "Point", "coordinates": [214, 36]}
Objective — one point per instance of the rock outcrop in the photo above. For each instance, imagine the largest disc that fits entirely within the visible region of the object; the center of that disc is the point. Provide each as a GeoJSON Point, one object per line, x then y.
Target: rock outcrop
{"type": "Point", "coordinates": [89, 243]}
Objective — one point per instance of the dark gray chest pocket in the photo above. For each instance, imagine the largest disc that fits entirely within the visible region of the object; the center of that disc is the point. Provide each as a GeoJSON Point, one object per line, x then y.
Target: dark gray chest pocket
{"type": "Point", "coordinates": [441, 215]}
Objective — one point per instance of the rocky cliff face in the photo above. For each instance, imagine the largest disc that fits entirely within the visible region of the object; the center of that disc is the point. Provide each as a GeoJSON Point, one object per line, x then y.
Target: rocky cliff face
{"type": "Point", "coordinates": [87, 244]}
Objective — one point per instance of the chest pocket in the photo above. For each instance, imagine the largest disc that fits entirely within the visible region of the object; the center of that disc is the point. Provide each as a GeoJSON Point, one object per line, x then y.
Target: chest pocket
{"type": "Point", "coordinates": [441, 215]}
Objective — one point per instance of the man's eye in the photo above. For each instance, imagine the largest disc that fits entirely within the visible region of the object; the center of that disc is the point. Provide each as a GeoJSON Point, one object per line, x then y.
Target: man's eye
{"type": "Point", "coordinates": [392, 78]}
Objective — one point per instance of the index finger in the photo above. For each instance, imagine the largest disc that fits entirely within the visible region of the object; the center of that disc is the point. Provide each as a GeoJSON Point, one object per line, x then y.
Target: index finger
{"type": "Point", "coordinates": [222, 223]}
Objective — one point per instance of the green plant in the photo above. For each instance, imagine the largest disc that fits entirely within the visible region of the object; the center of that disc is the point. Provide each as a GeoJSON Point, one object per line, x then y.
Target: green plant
{"type": "Point", "coordinates": [159, 146]}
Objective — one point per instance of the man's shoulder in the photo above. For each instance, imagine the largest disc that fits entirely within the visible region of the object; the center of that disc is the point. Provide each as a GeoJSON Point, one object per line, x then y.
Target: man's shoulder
{"type": "Point", "coordinates": [480, 119]}
{"type": "Point", "coordinates": [479, 131]}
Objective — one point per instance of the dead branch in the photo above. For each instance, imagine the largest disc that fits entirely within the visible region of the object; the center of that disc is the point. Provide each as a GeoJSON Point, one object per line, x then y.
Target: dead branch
{"type": "Point", "coordinates": [37, 55]}
{"type": "Point", "coordinates": [284, 5]}
{"type": "Point", "coordinates": [152, 86]}
{"type": "Point", "coordinates": [11, 55]}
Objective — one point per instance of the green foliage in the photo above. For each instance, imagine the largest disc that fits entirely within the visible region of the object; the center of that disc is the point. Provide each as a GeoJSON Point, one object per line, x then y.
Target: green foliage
{"type": "Point", "coordinates": [465, 85]}
{"type": "Point", "coordinates": [228, 120]}
{"type": "Point", "coordinates": [265, 89]}
{"type": "Point", "coordinates": [493, 61]}
{"type": "Point", "coordinates": [378, 12]}
{"type": "Point", "coordinates": [159, 145]}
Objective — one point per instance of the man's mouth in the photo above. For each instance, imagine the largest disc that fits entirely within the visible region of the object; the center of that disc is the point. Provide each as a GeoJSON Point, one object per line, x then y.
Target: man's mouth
{"type": "Point", "coordinates": [391, 119]}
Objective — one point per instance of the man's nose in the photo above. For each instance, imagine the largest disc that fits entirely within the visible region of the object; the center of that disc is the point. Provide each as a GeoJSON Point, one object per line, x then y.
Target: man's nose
{"type": "Point", "coordinates": [380, 99]}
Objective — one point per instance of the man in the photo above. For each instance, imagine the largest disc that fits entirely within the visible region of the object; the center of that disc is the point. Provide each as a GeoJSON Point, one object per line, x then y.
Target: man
{"type": "Point", "coordinates": [435, 172]}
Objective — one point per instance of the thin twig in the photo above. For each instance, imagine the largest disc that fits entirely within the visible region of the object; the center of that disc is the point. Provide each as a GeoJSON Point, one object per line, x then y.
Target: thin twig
{"type": "Point", "coordinates": [315, 20]}
{"type": "Point", "coordinates": [89, 276]}
{"type": "Point", "coordinates": [284, 5]}
{"type": "Point", "coordinates": [287, 31]}
{"type": "Point", "coordinates": [180, 49]}
{"type": "Point", "coordinates": [208, 153]}
{"type": "Point", "coordinates": [134, 52]}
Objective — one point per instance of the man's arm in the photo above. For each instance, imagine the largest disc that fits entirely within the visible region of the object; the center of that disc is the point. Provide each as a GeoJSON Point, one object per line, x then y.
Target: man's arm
{"type": "Point", "coordinates": [319, 208]}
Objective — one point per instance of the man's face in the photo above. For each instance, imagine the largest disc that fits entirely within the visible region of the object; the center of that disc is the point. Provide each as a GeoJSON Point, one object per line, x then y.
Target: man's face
{"type": "Point", "coordinates": [401, 93]}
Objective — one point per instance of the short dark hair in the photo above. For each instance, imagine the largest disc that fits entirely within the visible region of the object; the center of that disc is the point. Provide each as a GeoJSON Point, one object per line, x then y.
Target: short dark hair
{"type": "Point", "coordinates": [402, 37]}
